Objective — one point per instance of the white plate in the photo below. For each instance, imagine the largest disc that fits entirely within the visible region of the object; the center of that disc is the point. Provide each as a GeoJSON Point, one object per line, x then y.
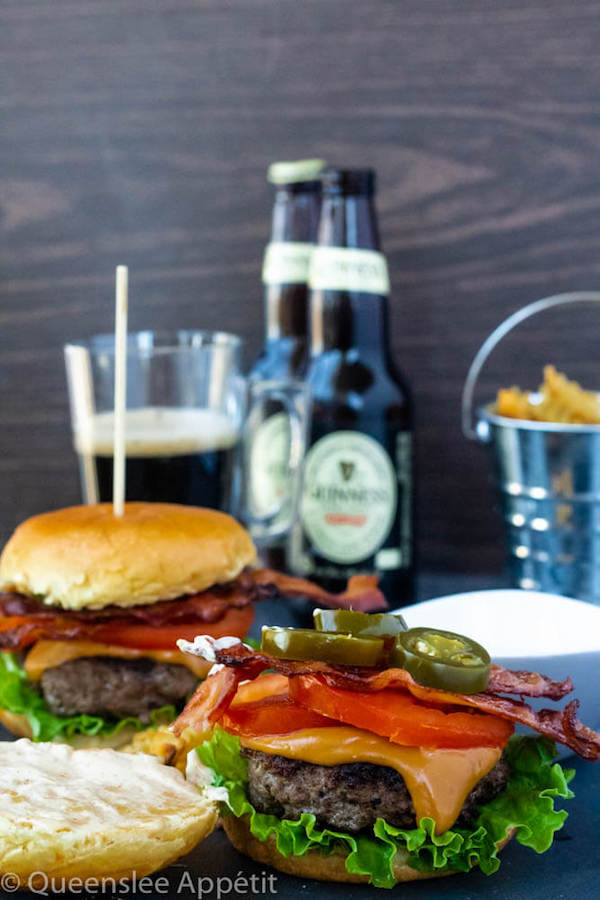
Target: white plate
{"type": "Point", "coordinates": [528, 630]}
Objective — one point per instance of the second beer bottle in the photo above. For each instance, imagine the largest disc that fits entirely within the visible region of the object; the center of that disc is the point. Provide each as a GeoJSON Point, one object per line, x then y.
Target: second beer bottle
{"type": "Point", "coordinates": [285, 272]}
{"type": "Point", "coordinates": [356, 513]}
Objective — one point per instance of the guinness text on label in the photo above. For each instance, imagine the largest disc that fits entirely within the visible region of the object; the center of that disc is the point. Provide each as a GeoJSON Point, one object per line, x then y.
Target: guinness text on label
{"type": "Point", "coordinates": [347, 269]}
{"type": "Point", "coordinates": [286, 262]}
{"type": "Point", "coordinates": [349, 497]}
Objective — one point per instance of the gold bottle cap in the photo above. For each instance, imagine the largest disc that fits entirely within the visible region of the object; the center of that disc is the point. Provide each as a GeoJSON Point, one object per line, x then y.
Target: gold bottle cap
{"type": "Point", "coordinates": [293, 172]}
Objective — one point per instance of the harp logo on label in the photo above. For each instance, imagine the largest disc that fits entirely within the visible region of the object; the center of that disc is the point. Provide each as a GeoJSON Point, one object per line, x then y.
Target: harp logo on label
{"type": "Point", "coordinates": [349, 496]}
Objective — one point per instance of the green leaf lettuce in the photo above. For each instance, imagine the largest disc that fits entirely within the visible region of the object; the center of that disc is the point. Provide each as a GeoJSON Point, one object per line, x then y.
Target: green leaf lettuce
{"type": "Point", "coordinates": [526, 805]}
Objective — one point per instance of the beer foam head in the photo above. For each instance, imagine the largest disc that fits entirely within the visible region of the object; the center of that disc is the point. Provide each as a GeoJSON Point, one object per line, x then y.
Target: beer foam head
{"type": "Point", "coordinates": [158, 431]}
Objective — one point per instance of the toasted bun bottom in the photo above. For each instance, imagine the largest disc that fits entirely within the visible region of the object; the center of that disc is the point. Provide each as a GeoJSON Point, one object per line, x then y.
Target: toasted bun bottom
{"type": "Point", "coordinates": [20, 726]}
{"type": "Point", "coordinates": [313, 864]}
{"type": "Point", "coordinates": [80, 814]}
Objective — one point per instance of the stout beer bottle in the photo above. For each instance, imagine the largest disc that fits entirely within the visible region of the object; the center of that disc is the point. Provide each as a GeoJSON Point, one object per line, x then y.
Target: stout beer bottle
{"type": "Point", "coordinates": [285, 271]}
{"type": "Point", "coordinates": [285, 267]}
{"type": "Point", "coordinates": [357, 500]}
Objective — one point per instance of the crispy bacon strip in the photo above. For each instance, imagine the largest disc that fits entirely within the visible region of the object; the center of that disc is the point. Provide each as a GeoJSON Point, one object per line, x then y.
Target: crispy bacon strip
{"type": "Point", "coordinates": [361, 593]}
{"type": "Point", "coordinates": [527, 684]}
{"type": "Point", "coordinates": [209, 606]}
{"type": "Point", "coordinates": [559, 725]}
{"type": "Point", "coordinates": [578, 732]}
{"type": "Point", "coordinates": [27, 620]}
{"type": "Point", "coordinates": [505, 681]}
{"type": "Point", "coordinates": [16, 633]}
{"type": "Point", "coordinates": [212, 698]}
{"type": "Point", "coordinates": [209, 701]}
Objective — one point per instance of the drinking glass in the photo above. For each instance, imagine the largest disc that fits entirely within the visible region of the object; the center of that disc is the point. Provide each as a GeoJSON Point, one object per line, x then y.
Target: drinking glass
{"type": "Point", "coordinates": [190, 417]}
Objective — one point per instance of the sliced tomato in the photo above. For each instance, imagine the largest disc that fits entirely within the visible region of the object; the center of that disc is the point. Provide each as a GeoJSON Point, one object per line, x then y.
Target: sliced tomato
{"type": "Point", "coordinates": [266, 685]}
{"type": "Point", "coordinates": [8, 622]}
{"type": "Point", "coordinates": [399, 717]}
{"type": "Point", "coordinates": [275, 714]}
{"type": "Point", "coordinates": [235, 622]}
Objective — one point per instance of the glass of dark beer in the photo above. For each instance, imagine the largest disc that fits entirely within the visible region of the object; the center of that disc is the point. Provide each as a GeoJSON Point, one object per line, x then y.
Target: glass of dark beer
{"type": "Point", "coordinates": [194, 426]}
{"type": "Point", "coordinates": [185, 409]}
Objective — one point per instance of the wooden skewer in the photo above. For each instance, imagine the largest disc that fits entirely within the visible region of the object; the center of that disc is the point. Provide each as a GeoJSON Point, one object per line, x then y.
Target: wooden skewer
{"type": "Point", "coordinates": [122, 275]}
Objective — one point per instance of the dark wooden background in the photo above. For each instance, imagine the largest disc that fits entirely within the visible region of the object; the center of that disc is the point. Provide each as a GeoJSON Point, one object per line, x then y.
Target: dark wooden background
{"type": "Point", "coordinates": [139, 131]}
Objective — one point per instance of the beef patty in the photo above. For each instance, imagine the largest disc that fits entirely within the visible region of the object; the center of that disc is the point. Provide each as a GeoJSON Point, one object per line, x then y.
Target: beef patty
{"type": "Point", "coordinates": [106, 686]}
{"type": "Point", "coordinates": [351, 796]}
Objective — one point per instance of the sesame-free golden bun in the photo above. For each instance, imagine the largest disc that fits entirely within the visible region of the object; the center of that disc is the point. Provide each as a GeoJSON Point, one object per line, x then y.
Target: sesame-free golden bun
{"type": "Point", "coordinates": [313, 864]}
{"type": "Point", "coordinates": [79, 814]}
{"type": "Point", "coordinates": [85, 557]}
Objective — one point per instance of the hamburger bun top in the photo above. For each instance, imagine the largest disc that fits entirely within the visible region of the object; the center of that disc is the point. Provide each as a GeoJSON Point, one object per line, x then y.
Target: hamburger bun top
{"type": "Point", "coordinates": [94, 813]}
{"type": "Point", "coordinates": [84, 557]}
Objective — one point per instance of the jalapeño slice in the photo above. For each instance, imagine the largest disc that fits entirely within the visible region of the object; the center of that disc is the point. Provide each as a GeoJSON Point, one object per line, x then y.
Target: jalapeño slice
{"type": "Point", "coordinates": [338, 649]}
{"type": "Point", "coordinates": [348, 621]}
{"type": "Point", "coordinates": [442, 659]}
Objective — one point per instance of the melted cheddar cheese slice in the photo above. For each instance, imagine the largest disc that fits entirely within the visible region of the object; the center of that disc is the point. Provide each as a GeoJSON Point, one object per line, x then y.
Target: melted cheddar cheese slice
{"type": "Point", "coordinates": [50, 654]}
{"type": "Point", "coordinates": [438, 781]}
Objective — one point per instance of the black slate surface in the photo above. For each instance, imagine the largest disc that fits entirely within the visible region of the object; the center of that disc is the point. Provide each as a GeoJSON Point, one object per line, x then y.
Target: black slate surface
{"type": "Point", "coordinates": [569, 871]}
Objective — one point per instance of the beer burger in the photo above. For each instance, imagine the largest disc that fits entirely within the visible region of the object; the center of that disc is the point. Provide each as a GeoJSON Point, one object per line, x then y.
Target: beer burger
{"type": "Point", "coordinates": [372, 753]}
{"type": "Point", "coordinates": [91, 605]}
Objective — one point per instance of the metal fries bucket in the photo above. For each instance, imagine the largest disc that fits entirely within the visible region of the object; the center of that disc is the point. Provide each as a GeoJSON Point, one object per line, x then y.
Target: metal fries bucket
{"type": "Point", "coordinates": [548, 477]}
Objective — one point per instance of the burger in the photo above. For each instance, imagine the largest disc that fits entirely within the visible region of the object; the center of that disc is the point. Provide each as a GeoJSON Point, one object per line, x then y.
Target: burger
{"type": "Point", "coordinates": [365, 752]}
{"type": "Point", "coordinates": [91, 606]}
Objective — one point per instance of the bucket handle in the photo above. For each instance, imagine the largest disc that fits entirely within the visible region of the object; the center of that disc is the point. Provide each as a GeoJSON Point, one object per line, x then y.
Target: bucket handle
{"type": "Point", "coordinates": [482, 433]}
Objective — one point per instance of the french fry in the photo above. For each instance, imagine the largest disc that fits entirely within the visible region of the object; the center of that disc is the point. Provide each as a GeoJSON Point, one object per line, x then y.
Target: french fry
{"type": "Point", "coordinates": [560, 400]}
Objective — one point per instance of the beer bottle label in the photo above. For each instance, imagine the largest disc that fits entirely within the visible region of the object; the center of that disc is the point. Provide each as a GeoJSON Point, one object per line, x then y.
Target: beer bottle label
{"type": "Point", "coordinates": [349, 496]}
{"type": "Point", "coordinates": [286, 262]}
{"type": "Point", "coordinates": [269, 456]}
{"type": "Point", "coordinates": [400, 556]}
{"type": "Point", "coordinates": [348, 269]}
